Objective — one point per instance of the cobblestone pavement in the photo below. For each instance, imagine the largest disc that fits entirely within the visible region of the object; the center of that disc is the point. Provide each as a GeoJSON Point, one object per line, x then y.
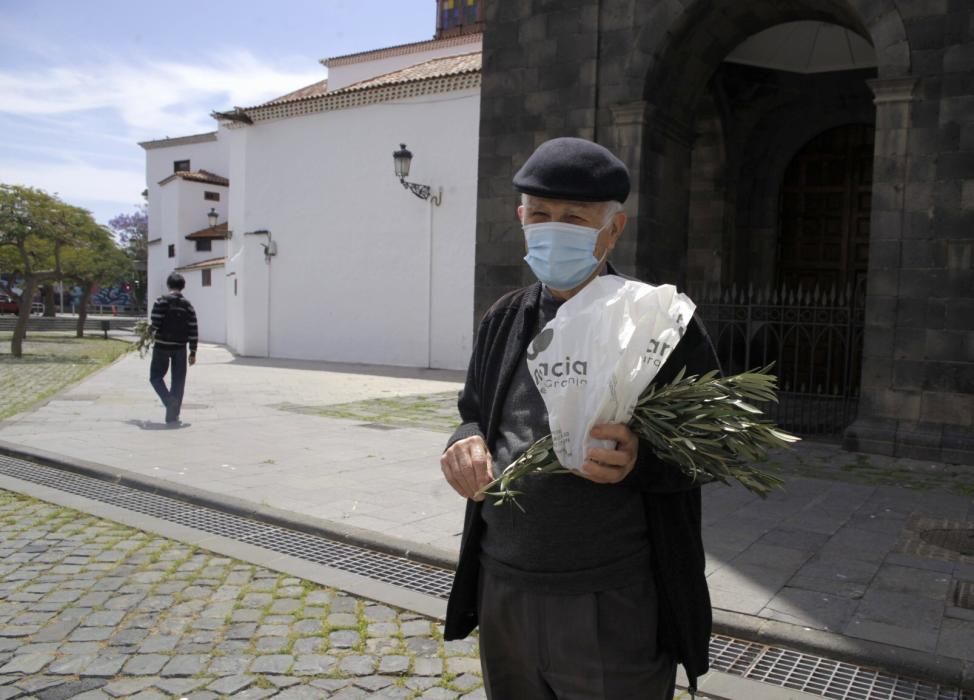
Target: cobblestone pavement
{"type": "Point", "coordinates": [91, 609]}
{"type": "Point", "coordinates": [51, 361]}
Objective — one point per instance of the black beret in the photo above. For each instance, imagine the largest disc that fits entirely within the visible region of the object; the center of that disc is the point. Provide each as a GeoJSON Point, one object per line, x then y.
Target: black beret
{"type": "Point", "coordinates": [573, 168]}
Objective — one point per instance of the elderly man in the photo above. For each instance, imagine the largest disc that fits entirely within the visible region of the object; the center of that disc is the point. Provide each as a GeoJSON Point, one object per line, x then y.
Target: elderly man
{"type": "Point", "coordinates": [595, 590]}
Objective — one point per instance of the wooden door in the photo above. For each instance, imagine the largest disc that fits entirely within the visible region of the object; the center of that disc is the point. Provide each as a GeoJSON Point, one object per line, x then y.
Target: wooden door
{"type": "Point", "coordinates": [825, 204]}
{"type": "Point", "coordinates": [823, 254]}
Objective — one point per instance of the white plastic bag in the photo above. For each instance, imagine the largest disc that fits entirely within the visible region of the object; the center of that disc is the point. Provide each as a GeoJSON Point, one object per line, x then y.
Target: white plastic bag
{"type": "Point", "coordinates": [603, 348]}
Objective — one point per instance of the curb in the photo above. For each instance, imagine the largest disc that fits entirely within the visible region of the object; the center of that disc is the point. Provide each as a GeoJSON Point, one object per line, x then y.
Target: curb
{"type": "Point", "coordinates": [953, 673]}
{"type": "Point", "coordinates": [423, 554]}
{"type": "Point", "coordinates": [908, 662]}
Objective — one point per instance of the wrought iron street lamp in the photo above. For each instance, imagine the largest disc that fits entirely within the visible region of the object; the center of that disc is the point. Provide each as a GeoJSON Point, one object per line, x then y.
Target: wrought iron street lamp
{"type": "Point", "coordinates": [401, 160]}
{"type": "Point", "coordinates": [213, 217]}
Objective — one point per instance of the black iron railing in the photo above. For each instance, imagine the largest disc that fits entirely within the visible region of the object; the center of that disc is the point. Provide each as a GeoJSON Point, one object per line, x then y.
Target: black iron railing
{"type": "Point", "coordinates": [814, 338]}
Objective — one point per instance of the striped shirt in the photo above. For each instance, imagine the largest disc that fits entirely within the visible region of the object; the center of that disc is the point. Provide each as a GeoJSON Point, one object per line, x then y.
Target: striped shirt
{"type": "Point", "coordinates": [174, 322]}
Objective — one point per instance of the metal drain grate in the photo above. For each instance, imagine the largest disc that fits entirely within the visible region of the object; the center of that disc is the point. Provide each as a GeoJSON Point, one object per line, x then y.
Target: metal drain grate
{"type": "Point", "coordinates": [962, 595]}
{"type": "Point", "coordinates": [819, 676]}
{"type": "Point", "coordinates": [378, 566]}
{"type": "Point", "coordinates": [780, 667]}
{"type": "Point", "coordinates": [955, 539]}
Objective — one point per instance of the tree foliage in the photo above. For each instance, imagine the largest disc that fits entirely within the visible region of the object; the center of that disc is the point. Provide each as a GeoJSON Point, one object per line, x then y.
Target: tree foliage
{"type": "Point", "coordinates": [35, 230]}
{"type": "Point", "coordinates": [95, 260]}
{"type": "Point", "coordinates": [132, 231]}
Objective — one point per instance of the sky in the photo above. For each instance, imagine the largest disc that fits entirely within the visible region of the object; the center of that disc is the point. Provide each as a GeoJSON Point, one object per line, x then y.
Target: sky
{"type": "Point", "coordinates": [83, 81]}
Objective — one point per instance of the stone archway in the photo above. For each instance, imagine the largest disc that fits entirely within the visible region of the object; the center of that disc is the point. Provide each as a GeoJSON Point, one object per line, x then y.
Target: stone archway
{"type": "Point", "coordinates": [760, 173]}
{"type": "Point", "coordinates": [680, 54]}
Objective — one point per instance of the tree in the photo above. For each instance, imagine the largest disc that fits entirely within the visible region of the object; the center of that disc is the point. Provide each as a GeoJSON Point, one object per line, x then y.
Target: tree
{"type": "Point", "coordinates": [95, 259]}
{"type": "Point", "coordinates": [132, 231]}
{"type": "Point", "coordinates": [35, 228]}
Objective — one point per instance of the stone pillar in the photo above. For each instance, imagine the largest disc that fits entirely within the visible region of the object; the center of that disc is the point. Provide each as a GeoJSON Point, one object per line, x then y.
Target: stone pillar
{"type": "Point", "coordinates": [908, 407]}
{"type": "Point", "coordinates": [661, 249]}
{"type": "Point", "coordinates": [624, 137]}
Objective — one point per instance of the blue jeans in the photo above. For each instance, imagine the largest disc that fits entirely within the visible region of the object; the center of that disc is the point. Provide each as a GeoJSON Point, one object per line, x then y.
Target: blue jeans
{"type": "Point", "coordinates": [162, 360]}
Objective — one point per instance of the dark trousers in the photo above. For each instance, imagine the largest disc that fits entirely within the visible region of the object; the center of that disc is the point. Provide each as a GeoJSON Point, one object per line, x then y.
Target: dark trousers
{"type": "Point", "coordinates": [590, 646]}
{"type": "Point", "coordinates": [162, 360]}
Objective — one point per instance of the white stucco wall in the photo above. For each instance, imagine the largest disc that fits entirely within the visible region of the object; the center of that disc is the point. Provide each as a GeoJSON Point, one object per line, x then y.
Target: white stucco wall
{"type": "Point", "coordinates": [351, 281]}
{"type": "Point", "coordinates": [234, 141]}
{"type": "Point", "coordinates": [173, 207]}
{"type": "Point", "coordinates": [180, 210]}
{"type": "Point", "coordinates": [208, 155]}
{"type": "Point", "coordinates": [340, 76]}
{"type": "Point", "coordinates": [209, 303]}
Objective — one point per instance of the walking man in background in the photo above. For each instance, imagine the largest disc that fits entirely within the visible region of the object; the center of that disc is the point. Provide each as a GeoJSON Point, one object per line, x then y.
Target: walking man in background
{"type": "Point", "coordinates": [174, 325]}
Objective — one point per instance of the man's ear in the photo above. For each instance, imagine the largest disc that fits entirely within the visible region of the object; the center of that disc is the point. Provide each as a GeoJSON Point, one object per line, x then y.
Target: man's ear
{"type": "Point", "coordinates": [618, 224]}
{"type": "Point", "coordinates": [520, 213]}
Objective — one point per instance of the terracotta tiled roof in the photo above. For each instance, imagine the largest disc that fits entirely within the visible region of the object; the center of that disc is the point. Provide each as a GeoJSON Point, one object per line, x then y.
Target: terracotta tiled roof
{"type": "Point", "coordinates": [212, 262]}
{"type": "Point", "coordinates": [179, 140]}
{"type": "Point", "coordinates": [314, 90]}
{"type": "Point", "coordinates": [433, 76]}
{"type": "Point", "coordinates": [218, 231]}
{"type": "Point", "coordinates": [400, 50]}
{"type": "Point", "coordinates": [198, 176]}
{"type": "Point", "coordinates": [435, 68]}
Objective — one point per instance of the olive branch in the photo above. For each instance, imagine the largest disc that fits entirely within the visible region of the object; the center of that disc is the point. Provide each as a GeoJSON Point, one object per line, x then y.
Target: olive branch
{"type": "Point", "coordinates": [705, 426]}
{"type": "Point", "coordinates": [144, 337]}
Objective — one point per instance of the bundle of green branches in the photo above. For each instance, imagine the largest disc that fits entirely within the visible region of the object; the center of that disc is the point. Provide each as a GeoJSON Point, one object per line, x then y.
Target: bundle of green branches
{"type": "Point", "coordinates": [144, 337]}
{"type": "Point", "coordinates": [703, 425]}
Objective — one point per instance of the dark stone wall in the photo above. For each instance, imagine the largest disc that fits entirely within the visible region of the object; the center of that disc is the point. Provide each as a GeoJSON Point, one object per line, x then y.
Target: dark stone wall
{"type": "Point", "coordinates": [636, 75]}
{"type": "Point", "coordinates": [918, 361]}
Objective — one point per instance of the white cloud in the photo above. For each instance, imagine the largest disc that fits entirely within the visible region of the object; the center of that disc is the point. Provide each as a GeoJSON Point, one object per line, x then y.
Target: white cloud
{"type": "Point", "coordinates": [152, 98]}
{"type": "Point", "coordinates": [76, 180]}
{"type": "Point", "coordinates": [72, 127]}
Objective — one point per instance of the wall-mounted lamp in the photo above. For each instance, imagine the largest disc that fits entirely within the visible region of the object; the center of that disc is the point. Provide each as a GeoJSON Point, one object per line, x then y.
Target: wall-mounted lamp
{"type": "Point", "coordinates": [213, 218]}
{"type": "Point", "coordinates": [270, 248]}
{"type": "Point", "coordinates": [401, 160]}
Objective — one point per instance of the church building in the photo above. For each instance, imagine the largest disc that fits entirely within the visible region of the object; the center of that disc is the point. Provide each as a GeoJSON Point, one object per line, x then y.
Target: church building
{"type": "Point", "coordinates": [297, 231]}
{"type": "Point", "coordinates": [804, 169]}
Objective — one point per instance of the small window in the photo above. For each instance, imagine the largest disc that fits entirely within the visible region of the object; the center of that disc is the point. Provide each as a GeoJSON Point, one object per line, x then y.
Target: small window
{"type": "Point", "coordinates": [172, 250]}
{"type": "Point", "coordinates": [212, 196]}
{"type": "Point", "coordinates": [204, 244]}
{"type": "Point", "coordinates": [234, 286]}
{"type": "Point", "coordinates": [180, 166]}
{"type": "Point", "coordinates": [207, 277]}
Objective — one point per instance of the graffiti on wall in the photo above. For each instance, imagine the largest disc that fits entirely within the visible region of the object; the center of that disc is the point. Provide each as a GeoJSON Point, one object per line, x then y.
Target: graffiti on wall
{"type": "Point", "coordinates": [117, 295]}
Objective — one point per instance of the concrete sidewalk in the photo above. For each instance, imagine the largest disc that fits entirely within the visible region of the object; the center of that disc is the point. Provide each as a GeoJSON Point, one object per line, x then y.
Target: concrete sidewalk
{"type": "Point", "coordinates": [843, 562]}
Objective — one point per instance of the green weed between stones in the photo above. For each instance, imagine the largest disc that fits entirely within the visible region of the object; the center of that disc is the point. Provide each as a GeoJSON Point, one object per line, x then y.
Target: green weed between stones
{"type": "Point", "coordinates": [51, 362]}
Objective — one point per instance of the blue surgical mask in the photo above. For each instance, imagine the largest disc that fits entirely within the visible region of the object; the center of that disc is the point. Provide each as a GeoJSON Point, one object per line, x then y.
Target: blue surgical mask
{"type": "Point", "coordinates": [561, 255]}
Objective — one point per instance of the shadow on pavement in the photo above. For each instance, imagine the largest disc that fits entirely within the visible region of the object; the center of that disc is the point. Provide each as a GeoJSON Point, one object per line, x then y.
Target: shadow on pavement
{"type": "Point", "coordinates": [152, 425]}
{"type": "Point", "coordinates": [441, 375]}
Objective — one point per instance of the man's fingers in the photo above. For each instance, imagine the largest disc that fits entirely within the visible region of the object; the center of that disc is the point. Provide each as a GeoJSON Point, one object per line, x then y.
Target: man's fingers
{"type": "Point", "coordinates": [605, 457]}
{"type": "Point", "coordinates": [610, 466]}
{"type": "Point", "coordinates": [466, 471]}
{"type": "Point", "coordinates": [603, 473]}
{"type": "Point", "coordinates": [466, 465]}
{"type": "Point", "coordinates": [481, 462]}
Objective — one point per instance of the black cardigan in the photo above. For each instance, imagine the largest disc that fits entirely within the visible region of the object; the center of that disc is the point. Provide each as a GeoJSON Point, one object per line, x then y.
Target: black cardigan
{"type": "Point", "coordinates": [672, 500]}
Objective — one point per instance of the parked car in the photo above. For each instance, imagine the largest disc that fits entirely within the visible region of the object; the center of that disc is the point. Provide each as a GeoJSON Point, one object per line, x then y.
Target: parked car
{"type": "Point", "coordinates": [8, 305]}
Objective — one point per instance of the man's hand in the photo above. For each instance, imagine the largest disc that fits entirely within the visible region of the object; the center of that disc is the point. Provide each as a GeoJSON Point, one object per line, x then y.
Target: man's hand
{"type": "Point", "coordinates": [192, 360]}
{"type": "Point", "coordinates": [467, 466]}
{"type": "Point", "coordinates": [611, 466]}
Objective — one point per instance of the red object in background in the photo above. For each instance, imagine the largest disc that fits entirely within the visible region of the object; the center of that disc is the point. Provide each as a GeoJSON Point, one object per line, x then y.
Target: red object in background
{"type": "Point", "coordinates": [8, 305]}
